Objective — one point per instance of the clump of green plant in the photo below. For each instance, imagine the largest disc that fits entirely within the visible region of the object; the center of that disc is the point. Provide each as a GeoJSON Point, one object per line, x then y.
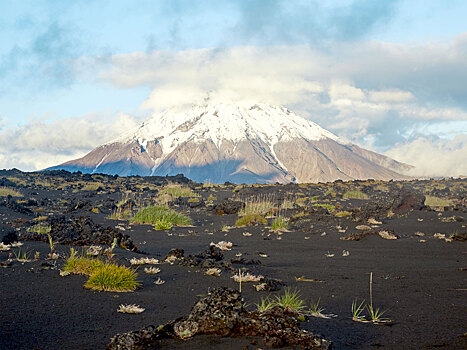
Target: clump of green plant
{"type": "Point", "coordinates": [265, 304]}
{"type": "Point", "coordinates": [315, 309]}
{"type": "Point", "coordinates": [6, 191]}
{"type": "Point", "coordinates": [113, 278]}
{"type": "Point", "coordinates": [22, 256]}
{"type": "Point", "coordinates": [176, 190]}
{"type": "Point", "coordinates": [290, 300]}
{"type": "Point", "coordinates": [433, 201]}
{"type": "Point", "coordinates": [251, 219]}
{"type": "Point", "coordinates": [279, 224]}
{"type": "Point", "coordinates": [355, 194]}
{"type": "Point", "coordinates": [357, 310]}
{"type": "Point", "coordinates": [374, 313]}
{"type": "Point", "coordinates": [162, 217]}
{"type": "Point", "coordinates": [81, 265]}
{"type": "Point", "coordinates": [328, 207]}
{"type": "Point", "coordinates": [40, 228]}
{"type": "Point", "coordinates": [163, 224]}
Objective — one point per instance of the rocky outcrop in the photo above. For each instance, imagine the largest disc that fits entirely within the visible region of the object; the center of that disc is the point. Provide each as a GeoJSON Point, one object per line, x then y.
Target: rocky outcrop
{"type": "Point", "coordinates": [221, 313]}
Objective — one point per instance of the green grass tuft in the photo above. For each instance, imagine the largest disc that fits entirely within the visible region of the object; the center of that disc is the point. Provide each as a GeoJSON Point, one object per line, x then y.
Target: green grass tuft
{"type": "Point", "coordinates": [290, 300]}
{"type": "Point", "coordinates": [113, 278]}
{"type": "Point", "coordinates": [265, 304]}
{"type": "Point", "coordinates": [162, 217]}
{"type": "Point", "coordinates": [432, 201]}
{"type": "Point", "coordinates": [355, 194]}
{"type": "Point", "coordinates": [357, 310]}
{"type": "Point", "coordinates": [176, 190]}
{"type": "Point", "coordinates": [328, 207]}
{"type": "Point", "coordinates": [80, 265]}
{"type": "Point", "coordinates": [251, 219]}
{"type": "Point", "coordinates": [41, 229]}
{"type": "Point", "coordinates": [279, 224]}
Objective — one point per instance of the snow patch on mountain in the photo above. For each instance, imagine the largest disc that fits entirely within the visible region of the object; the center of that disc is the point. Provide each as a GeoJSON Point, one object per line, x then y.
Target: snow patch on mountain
{"type": "Point", "coordinates": [225, 122]}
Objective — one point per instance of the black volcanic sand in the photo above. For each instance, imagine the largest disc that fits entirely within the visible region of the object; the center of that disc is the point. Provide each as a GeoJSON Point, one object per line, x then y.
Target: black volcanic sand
{"type": "Point", "coordinates": [419, 280]}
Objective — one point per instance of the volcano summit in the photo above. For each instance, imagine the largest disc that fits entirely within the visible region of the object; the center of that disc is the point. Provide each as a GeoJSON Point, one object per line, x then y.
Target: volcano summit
{"type": "Point", "coordinates": [237, 143]}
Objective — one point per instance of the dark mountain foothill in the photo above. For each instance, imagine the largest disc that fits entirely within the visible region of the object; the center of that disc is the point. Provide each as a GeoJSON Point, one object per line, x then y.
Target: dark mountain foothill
{"type": "Point", "coordinates": [230, 266]}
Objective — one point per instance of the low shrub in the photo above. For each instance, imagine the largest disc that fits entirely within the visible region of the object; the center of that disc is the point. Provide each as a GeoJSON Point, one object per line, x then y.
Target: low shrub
{"type": "Point", "coordinates": [251, 219]}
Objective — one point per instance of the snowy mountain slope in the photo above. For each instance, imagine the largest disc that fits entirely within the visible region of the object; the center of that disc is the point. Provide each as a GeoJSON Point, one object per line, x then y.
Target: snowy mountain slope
{"type": "Point", "coordinates": [238, 143]}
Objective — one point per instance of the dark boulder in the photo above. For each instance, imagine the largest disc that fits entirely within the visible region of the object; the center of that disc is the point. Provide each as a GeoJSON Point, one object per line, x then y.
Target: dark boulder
{"type": "Point", "coordinates": [407, 201]}
{"type": "Point", "coordinates": [8, 236]}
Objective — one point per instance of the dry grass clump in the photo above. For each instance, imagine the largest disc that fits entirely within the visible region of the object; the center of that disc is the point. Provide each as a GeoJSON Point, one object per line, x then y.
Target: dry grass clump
{"type": "Point", "coordinates": [257, 205]}
{"type": "Point", "coordinates": [342, 214]}
{"type": "Point", "coordinates": [387, 234]}
{"type": "Point", "coordinates": [241, 277]}
{"type": "Point", "coordinates": [222, 245]}
{"type": "Point", "coordinates": [213, 271]}
{"type": "Point", "coordinates": [251, 219]}
{"type": "Point", "coordinates": [144, 261]}
{"type": "Point", "coordinates": [7, 191]}
{"type": "Point", "coordinates": [177, 190]}
{"type": "Point", "coordinates": [152, 270]}
{"type": "Point", "coordinates": [355, 194]}
{"type": "Point", "coordinates": [130, 309]}
{"type": "Point", "coordinates": [93, 186]}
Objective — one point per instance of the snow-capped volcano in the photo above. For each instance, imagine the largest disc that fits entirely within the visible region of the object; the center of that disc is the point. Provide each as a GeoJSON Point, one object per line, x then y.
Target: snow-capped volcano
{"type": "Point", "coordinates": [219, 142]}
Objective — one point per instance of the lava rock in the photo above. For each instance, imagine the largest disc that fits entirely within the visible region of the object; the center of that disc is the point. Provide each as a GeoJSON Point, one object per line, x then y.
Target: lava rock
{"type": "Point", "coordinates": [176, 253]}
{"type": "Point", "coordinates": [81, 231]}
{"type": "Point", "coordinates": [211, 257]}
{"type": "Point", "coordinates": [408, 201]}
{"type": "Point", "coordinates": [9, 236]}
{"type": "Point", "coordinates": [12, 204]}
{"type": "Point", "coordinates": [228, 207]}
{"type": "Point", "coordinates": [221, 313]}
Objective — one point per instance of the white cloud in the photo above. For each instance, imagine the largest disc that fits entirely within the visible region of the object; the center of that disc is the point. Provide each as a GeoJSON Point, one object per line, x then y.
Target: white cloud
{"type": "Point", "coordinates": [434, 158]}
{"type": "Point", "coordinates": [39, 144]}
{"type": "Point", "coordinates": [391, 96]}
{"type": "Point", "coordinates": [372, 93]}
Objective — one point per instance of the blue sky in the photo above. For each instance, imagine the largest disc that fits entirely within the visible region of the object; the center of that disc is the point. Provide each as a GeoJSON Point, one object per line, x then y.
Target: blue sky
{"type": "Point", "coordinates": [385, 73]}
